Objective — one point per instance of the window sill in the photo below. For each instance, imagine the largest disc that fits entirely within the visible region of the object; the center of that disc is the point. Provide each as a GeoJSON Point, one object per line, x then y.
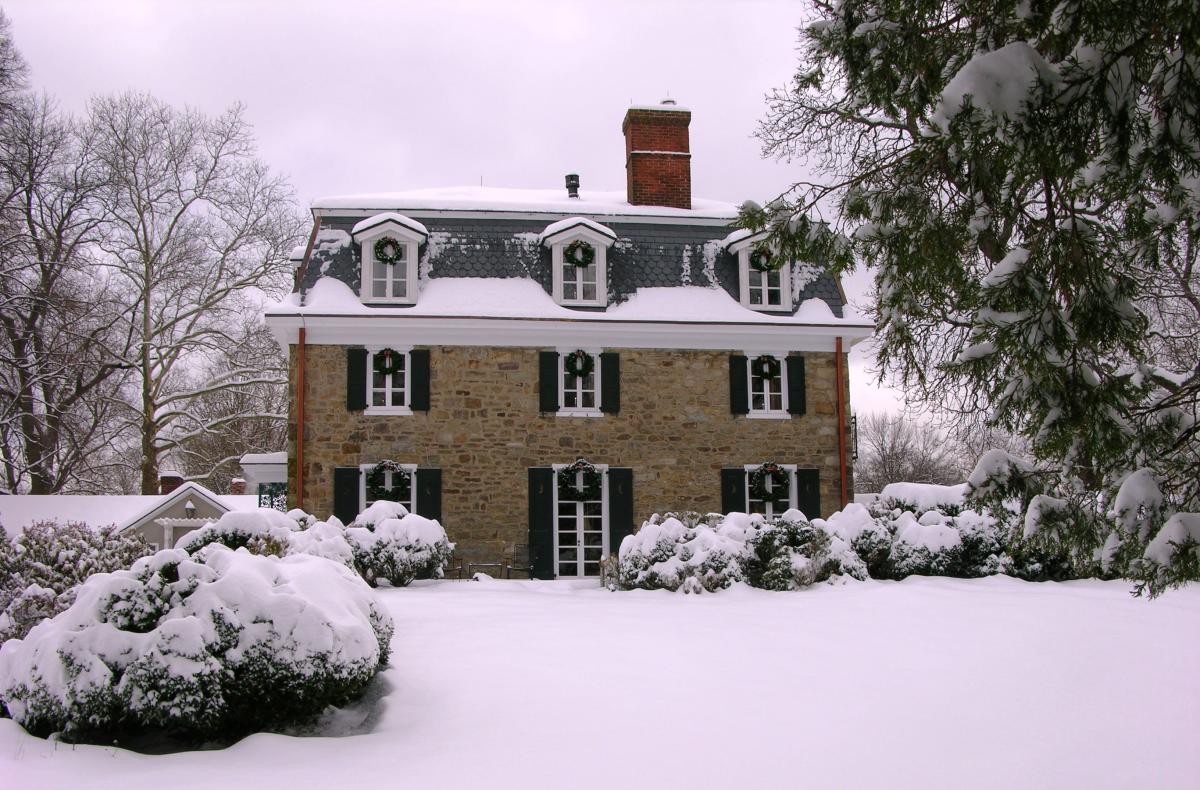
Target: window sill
{"type": "Point", "coordinates": [579, 413]}
{"type": "Point", "coordinates": [388, 411]}
{"type": "Point", "coordinates": [759, 308]}
{"type": "Point", "coordinates": [380, 301]}
{"type": "Point", "coordinates": [571, 303]}
{"type": "Point", "coordinates": [768, 415]}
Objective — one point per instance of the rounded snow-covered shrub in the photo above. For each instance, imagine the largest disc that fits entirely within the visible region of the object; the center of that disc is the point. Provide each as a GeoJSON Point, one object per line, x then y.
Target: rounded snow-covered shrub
{"type": "Point", "coordinates": [394, 547]}
{"type": "Point", "coordinates": [41, 567]}
{"type": "Point", "coordinates": [211, 645]}
{"type": "Point", "coordinates": [260, 531]}
{"type": "Point", "coordinates": [681, 551]}
{"type": "Point", "coordinates": [788, 554]}
{"type": "Point", "coordinates": [925, 546]}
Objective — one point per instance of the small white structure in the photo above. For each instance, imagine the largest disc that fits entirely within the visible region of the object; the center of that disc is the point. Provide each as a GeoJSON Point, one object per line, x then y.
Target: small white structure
{"type": "Point", "coordinates": [161, 518]}
{"type": "Point", "coordinates": [264, 472]}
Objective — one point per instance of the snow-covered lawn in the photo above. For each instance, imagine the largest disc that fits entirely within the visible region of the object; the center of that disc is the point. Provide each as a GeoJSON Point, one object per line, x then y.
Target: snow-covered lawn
{"type": "Point", "coordinates": [922, 683]}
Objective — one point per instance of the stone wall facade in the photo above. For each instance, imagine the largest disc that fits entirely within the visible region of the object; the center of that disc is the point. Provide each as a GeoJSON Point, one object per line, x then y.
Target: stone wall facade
{"type": "Point", "coordinates": [484, 431]}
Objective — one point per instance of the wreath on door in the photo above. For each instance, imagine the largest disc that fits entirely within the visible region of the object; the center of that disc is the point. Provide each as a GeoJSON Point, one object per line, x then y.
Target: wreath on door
{"type": "Point", "coordinates": [570, 490]}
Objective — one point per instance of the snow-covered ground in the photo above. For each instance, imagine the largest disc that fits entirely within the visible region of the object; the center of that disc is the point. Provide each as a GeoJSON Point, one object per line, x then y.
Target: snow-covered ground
{"type": "Point", "coordinates": [925, 683]}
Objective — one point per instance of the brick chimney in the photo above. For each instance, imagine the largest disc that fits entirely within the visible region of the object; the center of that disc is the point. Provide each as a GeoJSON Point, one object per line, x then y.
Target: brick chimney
{"type": "Point", "coordinates": [168, 481]}
{"type": "Point", "coordinates": [658, 160]}
{"type": "Point", "coordinates": [237, 486]}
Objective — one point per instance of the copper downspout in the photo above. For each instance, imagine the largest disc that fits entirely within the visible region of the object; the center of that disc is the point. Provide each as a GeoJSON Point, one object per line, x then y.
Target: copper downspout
{"type": "Point", "coordinates": [841, 419]}
{"type": "Point", "coordinates": [300, 420]}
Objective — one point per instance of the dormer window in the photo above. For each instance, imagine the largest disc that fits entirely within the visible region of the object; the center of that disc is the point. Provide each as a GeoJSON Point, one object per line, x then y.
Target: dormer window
{"type": "Point", "coordinates": [764, 277]}
{"type": "Point", "coordinates": [390, 245]}
{"type": "Point", "coordinates": [579, 259]}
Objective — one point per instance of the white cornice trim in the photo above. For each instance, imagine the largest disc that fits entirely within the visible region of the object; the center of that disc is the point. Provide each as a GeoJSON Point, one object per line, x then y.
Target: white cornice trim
{"type": "Point", "coordinates": [367, 330]}
{"type": "Point", "coordinates": [417, 213]}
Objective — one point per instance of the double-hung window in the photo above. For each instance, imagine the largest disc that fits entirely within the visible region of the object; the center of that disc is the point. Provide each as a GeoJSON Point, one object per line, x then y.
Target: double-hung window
{"type": "Point", "coordinates": [579, 259]}
{"type": "Point", "coordinates": [770, 488]}
{"type": "Point", "coordinates": [390, 245]}
{"type": "Point", "coordinates": [579, 383]}
{"type": "Point", "coordinates": [764, 277]}
{"type": "Point", "coordinates": [766, 376]}
{"type": "Point", "coordinates": [394, 482]}
{"type": "Point", "coordinates": [388, 381]}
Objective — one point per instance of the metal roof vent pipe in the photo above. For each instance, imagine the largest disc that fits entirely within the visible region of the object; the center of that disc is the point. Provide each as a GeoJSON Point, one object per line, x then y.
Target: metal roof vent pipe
{"type": "Point", "coordinates": [573, 185]}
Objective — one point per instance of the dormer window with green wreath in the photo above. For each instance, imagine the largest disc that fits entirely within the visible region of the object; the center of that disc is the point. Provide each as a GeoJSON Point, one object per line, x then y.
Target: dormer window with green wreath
{"type": "Point", "coordinates": [390, 245]}
{"type": "Point", "coordinates": [579, 258]}
{"type": "Point", "coordinates": [764, 277]}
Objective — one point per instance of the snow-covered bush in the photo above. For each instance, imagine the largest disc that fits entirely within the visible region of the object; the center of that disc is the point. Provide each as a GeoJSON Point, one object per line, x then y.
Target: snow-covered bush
{"type": "Point", "coordinates": [394, 547]}
{"type": "Point", "coordinates": [927, 546]}
{"type": "Point", "coordinates": [682, 551]}
{"type": "Point", "coordinates": [267, 531]}
{"type": "Point", "coordinates": [260, 531]}
{"type": "Point", "coordinates": [859, 542]}
{"type": "Point", "coordinates": [214, 644]}
{"type": "Point", "coordinates": [41, 567]}
{"type": "Point", "coordinates": [922, 497]}
{"type": "Point", "coordinates": [788, 554]}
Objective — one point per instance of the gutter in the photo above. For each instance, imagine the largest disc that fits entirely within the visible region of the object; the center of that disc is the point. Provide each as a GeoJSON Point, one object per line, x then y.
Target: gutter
{"type": "Point", "coordinates": [841, 422]}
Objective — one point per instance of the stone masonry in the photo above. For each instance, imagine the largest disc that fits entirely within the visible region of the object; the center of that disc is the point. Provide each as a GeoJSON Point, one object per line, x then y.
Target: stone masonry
{"type": "Point", "coordinates": [484, 431]}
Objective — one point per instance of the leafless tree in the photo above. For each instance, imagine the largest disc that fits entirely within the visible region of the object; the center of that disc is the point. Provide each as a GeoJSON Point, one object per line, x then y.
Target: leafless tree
{"type": "Point", "coordinates": [58, 377]}
{"type": "Point", "coordinates": [199, 231]}
{"type": "Point", "coordinates": [897, 449]}
{"type": "Point", "coordinates": [224, 424]}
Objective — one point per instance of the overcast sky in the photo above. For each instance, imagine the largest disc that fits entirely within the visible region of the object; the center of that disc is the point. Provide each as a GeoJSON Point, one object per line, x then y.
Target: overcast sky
{"type": "Point", "coordinates": [352, 97]}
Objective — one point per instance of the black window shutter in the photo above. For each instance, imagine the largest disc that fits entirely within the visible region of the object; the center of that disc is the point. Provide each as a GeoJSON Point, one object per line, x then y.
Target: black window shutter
{"type": "Point", "coordinates": [356, 379]}
{"type": "Point", "coordinates": [541, 522]}
{"type": "Point", "coordinates": [796, 390]}
{"type": "Point", "coordinates": [610, 382]}
{"type": "Point", "coordinates": [739, 387]}
{"type": "Point", "coordinates": [808, 492]}
{"type": "Point", "coordinates": [418, 380]}
{"type": "Point", "coordinates": [547, 381]}
{"type": "Point", "coordinates": [429, 493]}
{"type": "Point", "coordinates": [733, 490]}
{"type": "Point", "coordinates": [620, 506]}
{"type": "Point", "coordinates": [345, 493]}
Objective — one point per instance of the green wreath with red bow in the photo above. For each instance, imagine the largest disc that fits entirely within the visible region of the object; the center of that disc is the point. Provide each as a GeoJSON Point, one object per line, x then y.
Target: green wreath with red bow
{"type": "Point", "coordinates": [580, 253]}
{"type": "Point", "coordinates": [388, 250]}
{"type": "Point", "coordinates": [779, 493]}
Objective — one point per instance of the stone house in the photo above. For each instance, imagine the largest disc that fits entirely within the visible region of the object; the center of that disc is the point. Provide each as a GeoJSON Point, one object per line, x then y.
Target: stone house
{"type": "Point", "coordinates": [545, 368]}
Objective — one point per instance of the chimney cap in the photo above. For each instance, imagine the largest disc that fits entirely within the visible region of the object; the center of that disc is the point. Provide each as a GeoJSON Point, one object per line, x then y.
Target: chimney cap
{"type": "Point", "coordinates": [668, 101]}
{"type": "Point", "coordinates": [572, 182]}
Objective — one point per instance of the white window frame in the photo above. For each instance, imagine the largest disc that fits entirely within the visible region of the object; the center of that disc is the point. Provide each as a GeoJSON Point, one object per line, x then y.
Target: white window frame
{"type": "Point", "coordinates": [411, 242]}
{"type": "Point", "coordinates": [404, 410]}
{"type": "Point", "coordinates": [767, 414]}
{"type": "Point", "coordinates": [770, 506]}
{"type": "Point", "coordinates": [604, 500]}
{"type": "Point", "coordinates": [599, 244]}
{"type": "Point", "coordinates": [785, 285]}
{"type": "Point", "coordinates": [365, 469]}
{"type": "Point", "coordinates": [563, 410]}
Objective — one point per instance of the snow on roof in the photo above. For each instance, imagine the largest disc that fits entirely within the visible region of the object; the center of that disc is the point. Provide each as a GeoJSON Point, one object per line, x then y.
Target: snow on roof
{"type": "Point", "coordinates": [548, 201]}
{"type": "Point", "coordinates": [264, 458]}
{"type": "Point", "coordinates": [564, 225]}
{"type": "Point", "coordinates": [389, 216]}
{"type": "Point", "coordinates": [19, 511]}
{"type": "Point", "coordinates": [517, 297]}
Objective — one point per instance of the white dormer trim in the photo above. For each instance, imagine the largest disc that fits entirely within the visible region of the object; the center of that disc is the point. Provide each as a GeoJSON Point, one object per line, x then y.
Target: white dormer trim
{"type": "Point", "coordinates": [741, 243]}
{"type": "Point", "coordinates": [411, 234]}
{"type": "Point", "coordinates": [557, 236]}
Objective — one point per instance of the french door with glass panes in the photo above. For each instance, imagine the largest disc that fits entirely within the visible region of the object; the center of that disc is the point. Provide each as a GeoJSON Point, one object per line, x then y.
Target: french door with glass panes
{"type": "Point", "coordinates": [580, 537]}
